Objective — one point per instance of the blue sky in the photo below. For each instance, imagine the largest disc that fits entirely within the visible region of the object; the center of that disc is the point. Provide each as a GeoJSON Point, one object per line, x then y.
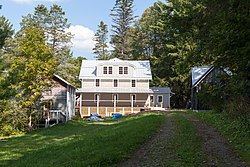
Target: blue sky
{"type": "Point", "coordinates": [84, 16]}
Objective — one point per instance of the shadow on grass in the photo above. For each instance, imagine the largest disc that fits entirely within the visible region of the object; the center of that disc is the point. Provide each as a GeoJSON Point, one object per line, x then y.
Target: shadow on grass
{"type": "Point", "coordinates": [79, 143]}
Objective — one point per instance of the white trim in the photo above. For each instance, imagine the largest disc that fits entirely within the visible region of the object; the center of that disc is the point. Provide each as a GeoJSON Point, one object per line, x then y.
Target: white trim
{"type": "Point", "coordinates": [117, 97]}
{"type": "Point", "coordinates": [134, 100]}
{"type": "Point", "coordinates": [99, 83]}
{"type": "Point", "coordinates": [131, 82]}
{"type": "Point", "coordinates": [96, 97]}
{"type": "Point", "coordinates": [114, 83]}
{"type": "Point", "coordinates": [158, 98]}
{"type": "Point", "coordinates": [121, 70]}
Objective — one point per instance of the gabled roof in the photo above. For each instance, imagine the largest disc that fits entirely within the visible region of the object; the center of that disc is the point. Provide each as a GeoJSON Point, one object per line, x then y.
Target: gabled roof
{"type": "Point", "coordinates": [64, 81]}
{"type": "Point", "coordinates": [198, 73]}
{"type": "Point", "coordinates": [142, 68]}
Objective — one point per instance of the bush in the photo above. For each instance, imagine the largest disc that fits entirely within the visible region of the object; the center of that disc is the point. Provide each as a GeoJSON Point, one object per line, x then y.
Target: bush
{"type": "Point", "coordinates": [12, 119]}
{"type": "Point", "coordinates": [239, 108]}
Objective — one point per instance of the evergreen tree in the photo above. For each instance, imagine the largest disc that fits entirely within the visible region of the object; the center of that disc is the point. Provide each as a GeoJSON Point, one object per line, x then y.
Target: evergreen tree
{"type": "Point", "coordinates": [101, 46]}
{"type": "Point", "coordinates": [122, 16]}
{"type": "Point", "coordinates": [54, 23]}
{"type": "Point", "coordinates": [6, 33]}
{"type": "Point", "coordinates": [6, 30]}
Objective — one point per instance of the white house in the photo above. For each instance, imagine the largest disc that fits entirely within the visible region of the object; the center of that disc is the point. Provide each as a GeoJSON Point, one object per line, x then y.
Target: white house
{"type": "Point", "coordinates": [110, 86]}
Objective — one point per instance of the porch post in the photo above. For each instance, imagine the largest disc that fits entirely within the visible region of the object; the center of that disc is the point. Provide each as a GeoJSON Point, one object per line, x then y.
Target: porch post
{"type": "Point", "coordinates": [115, 103]}
{"type": "Point", "coordinates": [80, 104]}
{"type": "Point", "coordinates": [132, 103]}
{"type": "Point", "coordinates": [97, 104]}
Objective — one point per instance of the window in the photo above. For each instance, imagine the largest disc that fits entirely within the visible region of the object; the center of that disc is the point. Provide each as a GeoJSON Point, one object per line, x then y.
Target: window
{"type": "Point", "coordinates": [105, 70]}
{"type": "Point", "coordinates": [115, 82]}
{"type": "Point", "coordinates": [97, 82]}
{"type": "Point", "coordinates": [133, 83]}
{"type": "Point", "coordinates": [159, 99]}
{"type": "Point", "coordinates": [110, 70]}
{"type": "Point", "coordinates": [125, 70]}
{"type": "Point", "coordinates": [120, 70]}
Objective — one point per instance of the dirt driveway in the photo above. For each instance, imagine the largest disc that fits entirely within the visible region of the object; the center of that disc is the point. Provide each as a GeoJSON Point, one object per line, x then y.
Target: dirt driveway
{"type": "Point", "coordinates": [215, 149]}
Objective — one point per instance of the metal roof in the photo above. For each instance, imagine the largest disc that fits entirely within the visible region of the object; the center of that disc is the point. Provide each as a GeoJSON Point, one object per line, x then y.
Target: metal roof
{"type": "Point", "coordinates": [198, 73]}
{"type": "Point", "coordinates": [142, 68]}
{"type": "Point", "coordinates": [161, 90]}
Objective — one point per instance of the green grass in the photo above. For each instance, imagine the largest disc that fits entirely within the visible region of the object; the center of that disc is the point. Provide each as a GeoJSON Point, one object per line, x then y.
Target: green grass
{"type": "Point", "coordinates": [232, 129]}
{"type": "Point", "coordinates": [185, 147]}
{"type": "Point", "coordinates": [79, 143]}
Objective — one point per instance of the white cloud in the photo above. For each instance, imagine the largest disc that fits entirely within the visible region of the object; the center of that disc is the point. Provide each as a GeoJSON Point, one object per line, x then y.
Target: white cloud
{"type": "Point", "coordinates": [83, 38]}
{"type": "Point", "coordinates": [33, 1]}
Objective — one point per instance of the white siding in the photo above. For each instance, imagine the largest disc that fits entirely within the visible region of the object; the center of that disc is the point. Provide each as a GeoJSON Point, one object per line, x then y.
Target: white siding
{"type": "Point", "coordinates": [122, 83]}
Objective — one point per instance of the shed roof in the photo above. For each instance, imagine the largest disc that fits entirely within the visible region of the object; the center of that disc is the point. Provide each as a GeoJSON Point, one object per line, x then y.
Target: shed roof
{"type": "Point", "coordinates": [142, 68]}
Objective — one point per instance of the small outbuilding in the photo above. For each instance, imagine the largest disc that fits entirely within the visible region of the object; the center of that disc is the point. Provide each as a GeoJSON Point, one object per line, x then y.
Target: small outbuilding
{"type": "Point", "coordinates": [59, 101]}
{"type": "Point", "coordinates": [201, 76]}
{"type": "Point", "coordinates": [160, 97]}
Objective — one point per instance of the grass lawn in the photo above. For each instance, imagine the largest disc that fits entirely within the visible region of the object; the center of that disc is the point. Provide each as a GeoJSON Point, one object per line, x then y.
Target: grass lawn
{"type": "Point", "coordinates": [232, 129]}
{"type": "Point", "coordinates": [80, 143]}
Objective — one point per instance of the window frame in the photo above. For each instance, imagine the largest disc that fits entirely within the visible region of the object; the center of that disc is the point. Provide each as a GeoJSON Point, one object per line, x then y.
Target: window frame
{"type": "Point", "coordinates": [120, 70]}
{"type": "Point", "coordinates": [110, 70]}
{"type": "Point", "coordinates": [133, 83]}
{"type": "Point", "coordinates": [159, 98]}
{"type": "Point", "coordinates": [105, 70]}
{"type": "Point", "coordinates": [115, 83]}
{"type": "Point", "coordinates": [125, 70]}
{"type": "Point", "coordinates": [97, 82]}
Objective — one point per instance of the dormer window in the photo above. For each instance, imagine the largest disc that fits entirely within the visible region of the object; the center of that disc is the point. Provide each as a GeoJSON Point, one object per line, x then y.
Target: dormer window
{"type": "Point", "coordinates": [105, 70]}
{"type": "Point", "coordinates": [125, 70]}
{"type": "Point", "coordinates": [120, 70]}
{"type": "Point", "coordinates": [110, 70]}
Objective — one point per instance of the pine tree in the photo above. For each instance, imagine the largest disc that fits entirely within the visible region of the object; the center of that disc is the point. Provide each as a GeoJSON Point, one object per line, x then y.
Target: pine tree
{"type": "Point", "coordinates": [101, 46]}
{"type": "Point", "coordinates": [54, 23]}
{"type": "Point", "coordinates": [123, 17]}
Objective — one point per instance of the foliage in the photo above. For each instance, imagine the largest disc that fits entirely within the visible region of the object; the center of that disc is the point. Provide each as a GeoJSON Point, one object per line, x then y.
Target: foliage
{"type": "Point", "coordinates": [101, 45]}
{"type": "Point", "coordinates": [6, 30]}
{"type": "Point", "coordinates": [12, 119]}
{"type": "Point", "coordinates": [31, 70]}
{"type": "Point", "coordinates": [80, 143]}
{"type": "Point", "coordinates": [180, 34]}
{"type": "Point", "coordinates": [236, 131]}
{"type": "Point", "coordinates": [122, 16]}
{"type": "Point", "coordinates": [53, 22]}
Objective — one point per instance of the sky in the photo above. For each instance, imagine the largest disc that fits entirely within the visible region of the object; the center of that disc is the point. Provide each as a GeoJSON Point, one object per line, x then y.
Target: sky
{"type": "Point", "coordinates": [83, 15]}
